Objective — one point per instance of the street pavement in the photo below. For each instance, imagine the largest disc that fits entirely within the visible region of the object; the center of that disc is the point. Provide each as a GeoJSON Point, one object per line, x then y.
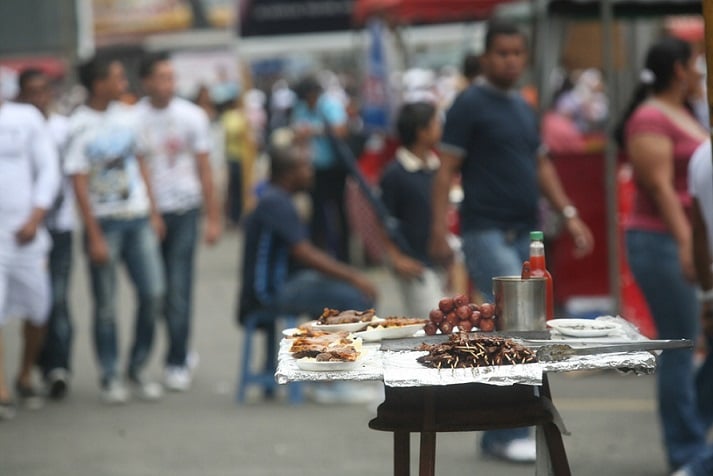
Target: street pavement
{"type": "Point", "coordinates": [612, 417]}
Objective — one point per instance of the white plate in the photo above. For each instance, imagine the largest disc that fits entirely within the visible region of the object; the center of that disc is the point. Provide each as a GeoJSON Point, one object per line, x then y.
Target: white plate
{"type": "Point", "coordinates": [310, 364]}
{"type": "Point", "coordinates": [350, 327]}
{"type": "Point", "coordinates": [583, 327]}
{"type": "Point", "coordinates": [382, 333]}
{"type": "Point", "coordinates": [290, 332]}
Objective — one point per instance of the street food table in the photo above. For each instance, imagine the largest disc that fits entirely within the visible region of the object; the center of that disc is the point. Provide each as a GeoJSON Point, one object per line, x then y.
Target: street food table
{"type": "Point", "coordinates": [426, 400]}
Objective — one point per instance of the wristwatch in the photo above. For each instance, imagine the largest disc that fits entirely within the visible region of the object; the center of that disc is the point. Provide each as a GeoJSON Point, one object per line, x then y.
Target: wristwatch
{"type": "Point", "coordinates": [705, 296]}
{"type": "Point", "coordinates": [569, 212]}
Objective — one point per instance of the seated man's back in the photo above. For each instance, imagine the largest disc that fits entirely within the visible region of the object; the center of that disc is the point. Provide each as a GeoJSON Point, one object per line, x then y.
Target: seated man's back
{"type": "Point", "coordinates": [270, 231]}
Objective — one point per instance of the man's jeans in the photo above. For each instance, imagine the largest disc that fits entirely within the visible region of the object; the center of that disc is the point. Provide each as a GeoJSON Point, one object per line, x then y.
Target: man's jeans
{"type": "Point", "coordinates": [491, 253]}
{"type": "Point", "coordinates": [235, 191]}
{"type": "Point", "coordinates": [58, 341]}
{"type": "Point", "coordinates": [132, 241]}
{"type": "Point", "coordinates": [178, 250]}
{"type": "Point", "coordinates": [685, 396]}
{"type": "Point", "coordinates": [309, 292]}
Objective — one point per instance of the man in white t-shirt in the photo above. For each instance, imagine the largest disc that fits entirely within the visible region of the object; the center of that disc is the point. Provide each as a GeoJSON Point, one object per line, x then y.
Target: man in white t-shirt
{"type": "Point", "coordinates": [700, 186]}
{"type": "Point", "coordinates": [35, 89]}
{"type": "Point", "coordinates": [176, 143]}
{"type": "Point", "coordinates": [121, 223]}
{"type": "Point", "coordinates": [29, 180]}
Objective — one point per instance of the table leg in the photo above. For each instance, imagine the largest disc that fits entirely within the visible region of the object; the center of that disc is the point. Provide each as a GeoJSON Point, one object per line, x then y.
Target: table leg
{"type": "Point", "coordinates": [551, 456]}
{"type": "Point", "coordinates": [543, 465]}
{"type": "Point", "coordinates": [549, 438]}
{"type": "Point", "coordinates": [557, 454]}
{"type": "Point", "coordinates": [402, 453]}
{"type": "Point", "coordinates": [427, 457]}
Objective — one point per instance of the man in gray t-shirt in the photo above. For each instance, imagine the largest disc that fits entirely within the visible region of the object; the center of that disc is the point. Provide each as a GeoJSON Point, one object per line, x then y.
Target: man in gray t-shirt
{"type": "Point", "coordinates": [121, 223]}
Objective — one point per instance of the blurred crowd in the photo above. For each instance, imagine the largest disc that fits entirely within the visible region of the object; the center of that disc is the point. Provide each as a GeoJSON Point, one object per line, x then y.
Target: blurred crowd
{"type": "Point", "coordinates": [147, 176]}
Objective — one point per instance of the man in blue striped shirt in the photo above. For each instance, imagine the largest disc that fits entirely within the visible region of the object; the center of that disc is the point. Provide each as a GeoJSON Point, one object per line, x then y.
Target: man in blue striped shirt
{"type": "Point", "coordinates": [282, 269]}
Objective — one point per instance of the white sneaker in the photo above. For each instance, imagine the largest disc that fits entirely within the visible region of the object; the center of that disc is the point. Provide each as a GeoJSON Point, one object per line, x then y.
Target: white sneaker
{"type": "Point", "coordinates": [114, 393]}
{"type": "Point", "coordinates": [192, 360]}
{"type": "Point", "coordinates": [146, 390]}
{"type": "Point", "coordinates": [177, 379]}
{"type": "Point", "coordinates": [522, 450]}
{"type": "Point", "coordinates": [682, 472]}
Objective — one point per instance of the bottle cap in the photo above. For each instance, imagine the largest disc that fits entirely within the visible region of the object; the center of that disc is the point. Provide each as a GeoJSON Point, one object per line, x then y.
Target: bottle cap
{"type": "Point", "coordinates": [537, 236]}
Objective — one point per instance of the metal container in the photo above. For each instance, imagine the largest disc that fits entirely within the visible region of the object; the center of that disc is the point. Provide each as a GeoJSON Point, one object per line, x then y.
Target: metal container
{"type": "Point", "coordinates": [519, 303]}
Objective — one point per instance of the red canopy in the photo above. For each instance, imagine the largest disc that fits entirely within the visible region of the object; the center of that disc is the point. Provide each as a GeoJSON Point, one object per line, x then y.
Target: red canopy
{"type": "Point", "coordinates": [426, 11]}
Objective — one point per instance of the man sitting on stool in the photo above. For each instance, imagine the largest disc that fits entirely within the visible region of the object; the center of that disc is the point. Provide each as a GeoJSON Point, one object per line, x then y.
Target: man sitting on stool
{"type": "Point", "coordinates": [282, 270]}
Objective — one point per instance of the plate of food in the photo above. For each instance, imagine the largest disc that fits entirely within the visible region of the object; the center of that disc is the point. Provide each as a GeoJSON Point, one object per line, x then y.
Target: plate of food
{"type": "Point", "coordinates": [583, 327]}
{"type": "Point", "coordinates": [332, 320]}
{"type": "Point", "coordinates": [330, 351]}
{"type": "Point", "coordinates": [328, 364]}
{"type": "Point", "coordinates": [305, 329]}
{"type": "Point", "coordinates": [311, 364]}
{"type": "Point", "coordinates": [391, 328]}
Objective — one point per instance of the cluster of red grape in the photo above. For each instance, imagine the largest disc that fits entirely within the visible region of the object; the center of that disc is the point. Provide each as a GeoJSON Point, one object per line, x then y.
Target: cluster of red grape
{"type": "Point", "coordinates": [458, 312]}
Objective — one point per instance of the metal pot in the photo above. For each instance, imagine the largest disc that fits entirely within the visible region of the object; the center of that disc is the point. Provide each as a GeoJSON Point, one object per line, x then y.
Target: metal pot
{"type": "Point", "coordinates": [519, 303]}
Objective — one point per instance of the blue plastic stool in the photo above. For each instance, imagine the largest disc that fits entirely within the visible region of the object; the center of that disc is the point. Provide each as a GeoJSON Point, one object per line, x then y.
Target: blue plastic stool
{"type": "Point", "coordinates": [266, 320]}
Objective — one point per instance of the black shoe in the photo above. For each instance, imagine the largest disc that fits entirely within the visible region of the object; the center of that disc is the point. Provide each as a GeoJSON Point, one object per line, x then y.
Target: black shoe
{"type": "Point", "coordinates": [57, 381]}
{"type": "Point", "coordinates": [29, 397]}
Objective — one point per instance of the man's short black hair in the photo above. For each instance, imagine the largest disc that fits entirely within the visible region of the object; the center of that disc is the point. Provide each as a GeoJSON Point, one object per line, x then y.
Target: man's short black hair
{"type": "Point", "coordinates": [499, 27]}
{"type": "Point", "coordinates": [27, 75]}
{"type": "Point", "coordinates": [94, 69]}
{"type": "Point", "coordinates": [283, 160]}
{"type": "Point", "coordinates": [308, 85]}
{"type": "Point", "coordinates": [413, 118]}
{"type": "Point", "coordinates": [149, 61]}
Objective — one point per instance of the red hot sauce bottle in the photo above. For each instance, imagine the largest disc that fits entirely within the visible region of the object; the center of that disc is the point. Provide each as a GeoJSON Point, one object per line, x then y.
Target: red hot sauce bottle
{"type": "Point", "coordinates": [538, 267]}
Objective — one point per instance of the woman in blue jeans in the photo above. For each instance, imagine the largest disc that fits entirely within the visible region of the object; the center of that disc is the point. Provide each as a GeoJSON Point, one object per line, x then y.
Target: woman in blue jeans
{"type": "Point", "coordinates": [660, 135]}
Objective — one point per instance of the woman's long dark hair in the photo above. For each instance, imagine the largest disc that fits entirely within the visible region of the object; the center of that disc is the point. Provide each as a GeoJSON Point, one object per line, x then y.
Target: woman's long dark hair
{"type": "Point", "coordinates": [661, 60]}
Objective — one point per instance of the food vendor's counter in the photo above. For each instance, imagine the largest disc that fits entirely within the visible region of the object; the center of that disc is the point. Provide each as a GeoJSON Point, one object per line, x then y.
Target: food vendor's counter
{"type": "Point", "coordinates": [400, 369]}
{"type": "Point", "coordinates": [426, 400]}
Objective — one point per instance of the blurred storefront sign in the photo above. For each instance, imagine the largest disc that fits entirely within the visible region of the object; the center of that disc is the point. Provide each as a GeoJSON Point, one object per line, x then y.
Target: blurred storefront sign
{"type": "Point", "coordinates": [216, 70]}
{"type": "Point", "coordinates": [284, 17]}
{"type": "Point", "coordinates": [377, 103]}
{"type": "Point", "coordinates": [129, 21]}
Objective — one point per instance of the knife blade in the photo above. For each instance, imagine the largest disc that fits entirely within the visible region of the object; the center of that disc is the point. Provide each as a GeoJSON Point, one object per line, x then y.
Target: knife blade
{"type": "Point", "coordinates": [555, 352]}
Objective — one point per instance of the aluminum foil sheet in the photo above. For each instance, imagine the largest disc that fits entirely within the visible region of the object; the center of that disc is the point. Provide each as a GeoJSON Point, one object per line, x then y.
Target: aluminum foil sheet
{"type": "Point", "coordinates": [400, 369]}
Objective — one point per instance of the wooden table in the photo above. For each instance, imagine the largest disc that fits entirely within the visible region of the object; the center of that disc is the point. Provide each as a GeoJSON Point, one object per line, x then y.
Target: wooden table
{"type": "Point", "coordinates": [469, 407]}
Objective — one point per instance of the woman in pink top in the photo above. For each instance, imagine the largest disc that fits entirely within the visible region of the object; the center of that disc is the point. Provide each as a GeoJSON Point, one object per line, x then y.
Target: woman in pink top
{"type": "Point", "coordinates": [660, 134]}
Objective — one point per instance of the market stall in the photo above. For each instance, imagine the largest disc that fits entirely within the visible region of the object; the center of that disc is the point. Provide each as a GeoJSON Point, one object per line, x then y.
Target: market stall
{"type": "Point", "coordinates": [500, 380]}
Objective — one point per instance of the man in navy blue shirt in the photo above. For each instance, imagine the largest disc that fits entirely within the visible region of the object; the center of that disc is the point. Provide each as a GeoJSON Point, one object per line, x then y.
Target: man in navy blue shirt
{"type": "Point", "coordinates": [282, 269]}
{"type": "Point", "coordinates": [491, 137]}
